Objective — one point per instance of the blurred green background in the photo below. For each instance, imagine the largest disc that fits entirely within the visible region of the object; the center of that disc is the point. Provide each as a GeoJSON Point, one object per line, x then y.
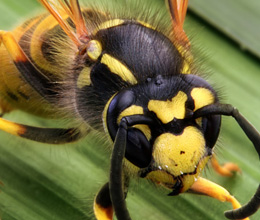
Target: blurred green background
{"type": "Point", "coordinates": [44, 182]}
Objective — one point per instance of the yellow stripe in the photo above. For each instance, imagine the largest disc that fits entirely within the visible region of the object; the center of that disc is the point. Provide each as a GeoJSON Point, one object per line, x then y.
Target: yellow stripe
{"type": "Point", "coordinates": [146, 24]}
{"type": "Point", "coordinates": [12, 46]}
{"type": "Point", "coordinates": [118, 68]}
{"type": "Point", "coordinates": [109, 24]}
{"type": "Point", "coordinates": [21, 30]}
{"type": "Point", "coordinates": [188, 59]}
{"type": "Point", "coordinates": [36, 43]}
{"type": "Point", "coordinates": [11, 127]}
{"type": "Point", "coordinates": [103, 213]}
{"type": "Point", "coordinates": [186, 69]}
{"type": "Point", "coordinates": [84, 78]}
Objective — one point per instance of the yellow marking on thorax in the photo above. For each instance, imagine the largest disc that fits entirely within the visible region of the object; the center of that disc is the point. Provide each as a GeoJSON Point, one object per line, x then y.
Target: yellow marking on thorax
{"type": "Point", "coordinates": [109, 24]}
{"type": "Point", "coordinates": [146, 24]}
{"type": "Point", "coordinates": [84, 78]}
{"type": "Point", "coordinates": [166, 111]}
{"type": "Point", "coordinates": [186, 67]}
{"type": "Point", "coordinates": [202, 97]}
{"type": "Point", "coordinates": [118, 68]}
{"type": "Point", "coordinates": [136, 110]}
{"type": "Point", "coordinates": [94, 49]}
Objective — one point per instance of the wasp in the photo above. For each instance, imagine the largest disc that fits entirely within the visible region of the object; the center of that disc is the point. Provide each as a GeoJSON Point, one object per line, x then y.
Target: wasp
{"type": "Point", "coordinates": [132, 78]}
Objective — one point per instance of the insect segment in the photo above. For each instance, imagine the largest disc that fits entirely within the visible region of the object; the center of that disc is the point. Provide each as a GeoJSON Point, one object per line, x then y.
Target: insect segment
{"type": "Point", "coordinates": [163, 119]}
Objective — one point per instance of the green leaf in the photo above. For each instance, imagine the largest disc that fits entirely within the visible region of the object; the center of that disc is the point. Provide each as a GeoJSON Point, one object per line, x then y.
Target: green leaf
{"type": "Point", "coordinates": [238, 19]}
{"type": "Point", "coordinates": [45, 182]}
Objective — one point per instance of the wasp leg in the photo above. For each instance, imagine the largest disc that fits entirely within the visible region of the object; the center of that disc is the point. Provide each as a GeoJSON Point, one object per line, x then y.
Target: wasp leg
{"type": "Point", "coordinates": [228, 169]}
{"type": "Point", "coordinates": [250, 208]}
{"type": "Point", "coordinates": [205, 187]}
{"type": "Point", "coordinates": [103, 208]}
{"type": "Point", "coordinates": [254, 136]}
{"type": "Point", "coordinates": [40, 82]}
{"type": "Point", "coordinates": [116, 180]}
{"type": "Point", "coordinates": [44, 135]}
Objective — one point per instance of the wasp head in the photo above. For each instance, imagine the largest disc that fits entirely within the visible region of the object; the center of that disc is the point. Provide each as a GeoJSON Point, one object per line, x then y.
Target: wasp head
{"type": "Point", "coordinates": [166, 142]}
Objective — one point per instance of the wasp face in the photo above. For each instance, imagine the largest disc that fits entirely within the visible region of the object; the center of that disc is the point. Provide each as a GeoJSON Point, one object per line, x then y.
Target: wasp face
{"type": "Point", "coordinates": [174, 146]}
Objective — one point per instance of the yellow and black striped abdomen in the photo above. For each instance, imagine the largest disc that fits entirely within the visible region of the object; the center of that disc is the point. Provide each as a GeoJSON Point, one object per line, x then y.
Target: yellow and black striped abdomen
{"type": "Point", "coordinates": [23, 55]}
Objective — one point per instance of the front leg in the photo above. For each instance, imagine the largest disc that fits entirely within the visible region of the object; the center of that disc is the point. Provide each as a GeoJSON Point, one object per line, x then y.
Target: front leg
{"type": "Point", "coordinates": [103, 208]}
{"type": "Point", "coordinates": [228, 169]}
{"type": "Point", "coordinates": [116, 172]}
{"type": "Point", "coordinates": [205, 187]}
{"type": "Point", "coordinates": [39, 134]}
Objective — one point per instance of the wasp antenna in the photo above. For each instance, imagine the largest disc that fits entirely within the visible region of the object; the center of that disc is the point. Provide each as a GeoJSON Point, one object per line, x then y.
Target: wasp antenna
{"type": "Point", "coordinates": [178, 10]}
{"type": "Point", "coordinates": [79, 21]}
{"type": "Point", "coordinates": [66, 28]}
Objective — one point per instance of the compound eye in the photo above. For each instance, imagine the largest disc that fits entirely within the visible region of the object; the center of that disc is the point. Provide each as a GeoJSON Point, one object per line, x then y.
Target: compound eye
{"type": "Point", "coordinates": [211, 128]}
{"type": "Point", "coordinates": [138, 148]}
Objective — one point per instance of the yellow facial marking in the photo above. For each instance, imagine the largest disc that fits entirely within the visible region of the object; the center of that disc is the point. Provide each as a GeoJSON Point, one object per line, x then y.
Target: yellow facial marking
{"type": "Point", "coordinates": [202, 97]}
{"type": "Point", "coordinates": [94, 49]}
{"type": "Point", "coordinates": [109, 24]}
{"type": "Point", "coordinates": [136, 110]}
{"type": "Point", "coordinates": [166, 111]}
{"type": "Point", "coordinates": [84, 78]}
{"type": "Point", "coordinates": [132, 110]}
{"type": "Point", "coordinates": [179, 154]}
{"type": "Point", "coordinates": [118, 68]}
{"type": "Point", "coordinates": [11, 127]}
{"type": "Point", "coordinates": [165, 179]}
{"type": "Point", "coordinates": [161, 177]}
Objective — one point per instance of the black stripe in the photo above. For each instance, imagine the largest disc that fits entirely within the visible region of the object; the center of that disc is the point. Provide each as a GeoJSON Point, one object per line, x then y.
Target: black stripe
{"type": "Point", "coordinates": [51, 135]}
{"type": "Point", "coordinates": [36, 79]}
{"type": "Point", "coordinates": [12, 96]}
